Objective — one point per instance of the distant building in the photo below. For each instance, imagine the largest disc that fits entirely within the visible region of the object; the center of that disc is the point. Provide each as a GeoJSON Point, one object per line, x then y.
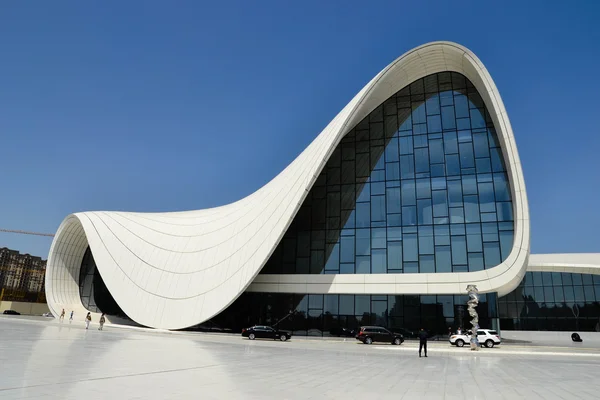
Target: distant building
{"type": "Point", "coordinates": [21, 276]}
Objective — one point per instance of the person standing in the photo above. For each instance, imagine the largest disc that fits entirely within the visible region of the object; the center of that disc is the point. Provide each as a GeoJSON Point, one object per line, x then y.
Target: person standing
{"type": "Point", "coordinates": [88, 319]}
{"type": "Point", "coordinates": [71, 317]}
{"type": "Point", "coordinates": [102, 321]}
{"type": "Point", "coordinates": [62, 315]}
{"type": "Point", "coordinates": [423, 341]}
{"type": "Point", "coordinates": [459, 331]}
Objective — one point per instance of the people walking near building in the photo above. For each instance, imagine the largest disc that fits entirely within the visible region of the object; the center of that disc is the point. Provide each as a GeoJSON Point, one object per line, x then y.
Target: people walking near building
{"type": "Point", "coordinates": [423, 341]}
{"type": "Point", "coordinates": [71, 317]}
{"type": "Point", "coordinates": [88, 319]}
{"type": "Point", "coordinates": [62, 315]}
{"type": "Point", "coordinates": [102, 321]}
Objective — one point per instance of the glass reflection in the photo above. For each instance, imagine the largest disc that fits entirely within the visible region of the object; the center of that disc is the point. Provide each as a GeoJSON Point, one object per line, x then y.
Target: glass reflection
{"type": "Point", "coordinates": [428, 157]}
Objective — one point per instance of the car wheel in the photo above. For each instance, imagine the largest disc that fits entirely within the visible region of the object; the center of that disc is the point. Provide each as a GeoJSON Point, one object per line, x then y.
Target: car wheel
{"type": "Point", "coordinates": [460, 343]}
{"type": "Point", "coordinates": [283, 338]}
{"type": "Point", "coordinates": [397, 342]}
{"type": "Point", "coordinates": [489, 343]}
{"type": "Point", "coordinates": [251, 336]}
{"type": "Point", "coordinates": [368, 340]}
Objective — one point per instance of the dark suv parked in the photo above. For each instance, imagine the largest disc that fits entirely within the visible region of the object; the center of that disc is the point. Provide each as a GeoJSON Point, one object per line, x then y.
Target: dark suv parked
{"type": "Point", "coordinates": [370, 334]}
{"type": "Point", "coordinates": [265, 332]}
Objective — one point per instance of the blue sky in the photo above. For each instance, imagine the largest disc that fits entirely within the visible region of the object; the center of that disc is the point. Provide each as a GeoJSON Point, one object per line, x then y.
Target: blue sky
{"type": "Point", "coordinates": [160, 106]}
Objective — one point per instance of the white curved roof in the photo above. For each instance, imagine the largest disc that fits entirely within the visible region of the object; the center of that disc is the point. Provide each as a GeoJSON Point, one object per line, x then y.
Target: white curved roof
{"type": "Point", "coordinates": [174, 270]}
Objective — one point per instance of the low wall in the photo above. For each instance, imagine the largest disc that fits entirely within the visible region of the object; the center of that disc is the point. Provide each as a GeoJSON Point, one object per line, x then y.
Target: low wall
{"type": "Point", "coordinates": [553, 338]}
{"type": "Point", "coordinates": [24, 308]}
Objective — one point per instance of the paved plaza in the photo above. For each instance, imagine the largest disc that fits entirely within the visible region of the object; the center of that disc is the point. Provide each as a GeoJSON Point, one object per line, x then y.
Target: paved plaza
{"type": "Point", "coordinates": [45, 359]}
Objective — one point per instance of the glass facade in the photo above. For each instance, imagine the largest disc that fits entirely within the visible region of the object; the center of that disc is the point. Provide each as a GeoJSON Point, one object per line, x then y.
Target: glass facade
{"type": "Point", "coordinates": [418, 186]}
{"type": "Point", "coordinates": [93, 292]}
{"type": "Point", "coordinates": [553, 301]}
{"type": "Point", "coordinates": [324, 315]}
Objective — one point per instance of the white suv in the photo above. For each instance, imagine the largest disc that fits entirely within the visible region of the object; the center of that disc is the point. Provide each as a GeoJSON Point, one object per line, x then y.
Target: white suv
{"type": "Point", "coordinates": [487, 338]}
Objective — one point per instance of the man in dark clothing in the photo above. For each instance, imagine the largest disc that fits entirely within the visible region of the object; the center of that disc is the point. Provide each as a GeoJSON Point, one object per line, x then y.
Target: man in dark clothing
{"type": "Point", "coordinates": [422, 341]}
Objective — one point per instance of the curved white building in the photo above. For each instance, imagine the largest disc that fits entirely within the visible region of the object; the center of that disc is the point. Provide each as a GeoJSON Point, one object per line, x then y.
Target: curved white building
{"type": "Point", "coordinates": [414, 188]}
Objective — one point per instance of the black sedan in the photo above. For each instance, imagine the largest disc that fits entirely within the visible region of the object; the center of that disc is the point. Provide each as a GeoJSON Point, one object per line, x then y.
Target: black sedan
{"type": "Point", "coordinates": [265, 332]}
{"type": "Point", "coordinates": [11, 312]}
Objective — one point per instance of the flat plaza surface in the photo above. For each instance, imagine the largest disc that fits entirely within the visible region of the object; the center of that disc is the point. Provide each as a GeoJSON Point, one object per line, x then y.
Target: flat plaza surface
{"type": "Point", "coordinates": [49, 360]}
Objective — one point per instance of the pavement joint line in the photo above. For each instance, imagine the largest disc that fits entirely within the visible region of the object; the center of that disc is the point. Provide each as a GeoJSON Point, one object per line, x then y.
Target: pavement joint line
{"type": "Point", "coordinates": [519, 352]}
{"type": "Point", "coordinates": [110, 377]}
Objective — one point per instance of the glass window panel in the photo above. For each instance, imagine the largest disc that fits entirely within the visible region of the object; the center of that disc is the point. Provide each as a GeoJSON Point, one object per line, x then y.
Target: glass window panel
{"type": "Point", "coordinates": [363, 265]}
{"type": "Point", "coordinates": [422, 160]}
{"type": "Point", "coordinates": [410, 247]}
{"type": "Point", "coordinates": [333, 262]}
{"type": "Point", "coordinates": [392, 171]}
{"type": "Point", "coordinates": [365, 193]}
{"type": "Point", "coordinates": [394, 233]}
{"type": "Point", "coordinates": [409, 215]}
{"type": "Point", "coordinates": [378, 208]}
{"type": "Point", "coordinates": [406, 145]}
{"type": "Point", "coordinates": [501, 187]}
{"type": "Point", "coordinates": [506, 243]}
{"type": "Point", "coordinates": [577, 279]}
{"type": "Point", "coordinates": [457, 216]}
{"type": "Point", "coordinates": [587, 279]}
{"type": "Point", "coordinates": [467, 160]}
{"type": "Point", "coordinates": [331, 304]}
{"type": "Point", "coordinates": [363, 242]}
{"type": "Point", "coordinates": [569, 294]}
{"type": "Point", "coordinates": [452, 165]}
{"type": "Point", "coordinates": [378, 236]}
{"type": "Point", "coordinates": [455, 197]}
{"type": "Point", "coordinates": [486, 197]}
{"type": "Point", "coordinates": [391, 150]}
{"type": "Point", "coordinates": [497, 165]}
{"type": "Point", "coordinates": [347, 268]}
{"type": "Point", "coordinates": [315, 301]}
{"type": "Point", "coordinates": [407, 167]}
{"type": "Point", "coordinates": [394, 256]}
{"type": "Point", "coordinates": [362, 304]}
{"type": "Point", "coordinates": [363, 215]}
{"type": "Point", "coordinates": [347, 249]}
{"type": "Point", "coordinates": [491, 252]}
{"type": "Point", "coordinates": [393, 200]}
{"type": "Point", "coordinates": [504, 211]}
{"type": "Point", "coordinates": [471, 209]}
{"type": "Point", "coordinates": [483, 165]}
{"type": "Point", "coordinates": [469, 184]}
{"type": "Point", "coordinates": [394, 220]}
{"type": "Point", "coordinates": [448, 120]}
{"type": "Point", "coordinates": [490, 232]}
{"type": "Point", "coordinates": [480, 145]}
{"type": "Point", "coordinates": [436, 151]}
{"type": "Point", "coordinates": [424, 212]}
{"type": "Point", "coordinates": [426, 264]}
{"type": "Point", "coordinates": [567, 278]}
{"type": "Point", "coordinates": [423, 188]}
{"type": "Point", "coordinates": [579, 296]}
{"type": "Point", "coordinates": [547, 278]}
{"type": "Point", "coordinates": [477, 118]}
{"type": "Point", "coordinates": [426, 244]}
{"type": "Point", "coordinates": [379, 262]}
{"type": "Point", "coordinates": [558, 294]}
{"type": "Point", "coordinates": [461, 105]}
{"type": "Point", "coordinates": [459, 250]}
{"type": "Point", "coordinates": [377, 188]}
{"type": "Point", "coordinates": [411, 267]}
{"type": "Point", "coordinates": [434, 123]}
{"type": "Point", "coordinates": [475, 261]}
{"type": "Point", "coordinates": [440, 204]}
{"type": "Point", "coordinates": [443, 261]}
{"type": "Point", "coordinates": [409, 197]}
{"type": "Point", "coordinates": [346, 304]}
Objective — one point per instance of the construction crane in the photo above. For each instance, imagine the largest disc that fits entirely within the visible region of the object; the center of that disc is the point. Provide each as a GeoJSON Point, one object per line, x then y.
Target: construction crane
{"type": "Point", "coordinates": [27, 232]}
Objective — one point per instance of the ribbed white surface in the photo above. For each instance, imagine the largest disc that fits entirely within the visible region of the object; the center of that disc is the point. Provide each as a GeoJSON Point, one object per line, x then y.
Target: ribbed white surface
{"type": "Point", "coordinates": [174, 270]}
